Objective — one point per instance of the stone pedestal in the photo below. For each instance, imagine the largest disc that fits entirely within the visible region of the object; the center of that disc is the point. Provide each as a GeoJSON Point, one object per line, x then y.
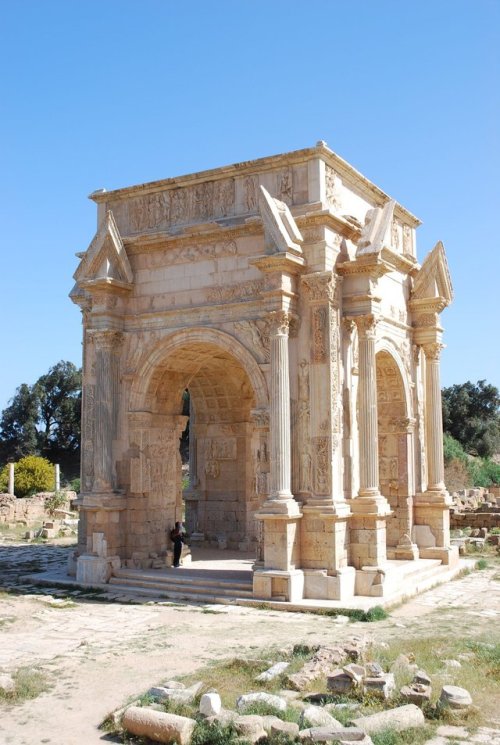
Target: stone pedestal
{"type": "Point", "coordinates": [91, 570]}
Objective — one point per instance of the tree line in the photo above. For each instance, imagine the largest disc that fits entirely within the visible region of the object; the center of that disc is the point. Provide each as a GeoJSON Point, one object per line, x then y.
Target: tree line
{"type": "Point", "coordinates": [45, 419]}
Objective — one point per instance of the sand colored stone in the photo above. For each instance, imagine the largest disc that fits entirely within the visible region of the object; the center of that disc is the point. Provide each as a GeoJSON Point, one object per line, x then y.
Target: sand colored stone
{"type": "Point", "coordinates": [285, 294]}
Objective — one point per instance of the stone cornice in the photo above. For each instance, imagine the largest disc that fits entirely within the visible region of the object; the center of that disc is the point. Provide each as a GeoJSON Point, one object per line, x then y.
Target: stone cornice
{"type": "Point", "coordinates": [349, 174]}
{"type": "Point", "coordinates": [370, 265]}
{"type": "Point", "coordinates": [280, 262]}
{"type": "Point", "coordinates": [105, 284]}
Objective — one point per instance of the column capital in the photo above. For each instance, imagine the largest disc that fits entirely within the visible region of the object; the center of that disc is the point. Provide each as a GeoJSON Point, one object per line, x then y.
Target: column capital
{"type": "Point", "coordinates": [433, 351]}
{"type": "Point", "coordinates": [106, 339]}
{"type": "Point", "coordinates": [322, 287]}
{"type": "Point", "coordinates": [366, 325]}
{"type": "Point", "coordinates": [279, 322]}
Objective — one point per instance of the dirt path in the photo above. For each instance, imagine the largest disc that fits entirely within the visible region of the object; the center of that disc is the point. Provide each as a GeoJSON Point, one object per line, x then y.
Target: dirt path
{"type": "Point", "coordinates": [97, 654]}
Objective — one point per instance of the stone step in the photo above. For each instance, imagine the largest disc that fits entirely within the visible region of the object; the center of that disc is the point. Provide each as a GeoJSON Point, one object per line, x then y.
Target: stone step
{"type": "Point", "coordinates": [221, 589]}
{"type": "Point", "coordinates": [167, 593]}
{"type": "Point", "coordinates": [184, 579]}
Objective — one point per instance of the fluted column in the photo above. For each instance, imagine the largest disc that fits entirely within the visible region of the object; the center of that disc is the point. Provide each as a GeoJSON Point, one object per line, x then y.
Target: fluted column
{"type": "Point", "coordinates": [433, 418]}
{"type": "Point", "coordinates": [107, 344]}
{"type": "Point", "coordinates": [368, 431]}
{"type": "Point", "coordinates": [280, 451]}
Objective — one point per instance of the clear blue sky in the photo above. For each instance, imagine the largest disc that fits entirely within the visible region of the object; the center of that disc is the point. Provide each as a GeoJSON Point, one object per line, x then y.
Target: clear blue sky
{"type": "Point", "coordinates": [108, 93]}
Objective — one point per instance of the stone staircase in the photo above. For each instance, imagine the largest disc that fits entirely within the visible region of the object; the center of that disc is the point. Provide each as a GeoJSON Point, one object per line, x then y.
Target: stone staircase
{"type": "Point", "coordinates": [184, 584]}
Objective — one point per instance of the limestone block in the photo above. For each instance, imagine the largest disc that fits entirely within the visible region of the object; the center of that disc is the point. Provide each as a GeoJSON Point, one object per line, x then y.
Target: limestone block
{"type": "Point", "coordinates": [382, 686]}
{"type": "Point", "coordinates": [317, 716]}
{"type": "Point", "coordinates": [7, 683]}
{"type": "Point", "coordinates": [399, 719]}
{"type": "Point", "coordinates": [91, 570]}
{"type": "Point", "coordinates": [356, 672]}
{"type": "Point", "coordinates": [342, 736]}
{"type": "Point", "coordinates": [250, 726]}
{"type": "Point", "coordinates": [248, 699]}
{"type": "Point", "coordinates": [339, 682]}
{"type": "Point", "coordinates": [210, 704]}
{"type": "Point", "coordinates": [286, 728]}
{"type": "Point", "coordinates": [423, 536]}
{"type": "Point", "coordinates": [455, 697]}
{"type": "Point", "coordinates": [416, 693]}
{"type": "Point", "coordinates": [158, 726]}
{"type": "Point", "coordinates": [273, 671]}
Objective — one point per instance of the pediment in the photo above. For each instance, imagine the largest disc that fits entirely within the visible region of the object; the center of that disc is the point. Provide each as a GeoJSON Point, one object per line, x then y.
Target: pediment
{"type": "Point", "coordinates": [105, 259]}
{"type": "Point", "coordinates": [433, 280]}
{"type": "Point", "coordinates": [282, 233]}
{"type": "Point", "coordinates": [376, 232]}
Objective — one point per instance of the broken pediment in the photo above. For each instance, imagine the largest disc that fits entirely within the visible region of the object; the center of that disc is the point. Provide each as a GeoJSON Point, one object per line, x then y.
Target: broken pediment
{"type": "Point", "coordinates": [433, 280]}
{"type": "Point", "coordinates": [105, 260]}
{"type": "Point", "coordinates": [280, 228]}
{"type": "Point", "coordinates": [376, 232]}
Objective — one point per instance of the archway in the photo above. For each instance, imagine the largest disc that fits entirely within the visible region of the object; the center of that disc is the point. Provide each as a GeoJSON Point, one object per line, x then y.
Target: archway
{"type": "Point", "coordinates": [393, 448]}
{"type": "Point", "coordinates": [228, 451]}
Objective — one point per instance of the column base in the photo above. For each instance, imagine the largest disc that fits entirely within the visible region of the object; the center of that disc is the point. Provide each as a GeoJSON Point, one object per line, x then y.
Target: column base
{"type": "Point", "coordinates": [281, 535]}
{"type": "Point", "coordinates": [372, 504]}
{"type": "Point", "coordinates": [319, 585]}
{"type": "Point", "coordinates": [285, 507]}
{"type": "Point", "coordinates": [272, 584]}
{"type": "Point", "coordinates": [95, 570]}
{"type": "Point", "coordinates": [431, 528]}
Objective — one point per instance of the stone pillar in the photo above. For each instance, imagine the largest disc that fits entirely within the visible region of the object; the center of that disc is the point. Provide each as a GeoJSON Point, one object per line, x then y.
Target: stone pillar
{"type": "Point", "coordinates": [57, 477]}
{"type": "Point", "coordinates": [279, 577]}
{"type": "Point", "coordinates": [107, 344]}
{"type": "Point", "coordinates": [433, 419]}
{"type": "Point", "coordinates": [280, 450]}
{"type": "Point", "coordinates": [368, 433]}
{"type": "Point", "coordinates": [370, 509]}
{"type": "Point", "coordinates": [11, 479]}
{"type": "Point", "coordinates": [431, 530]}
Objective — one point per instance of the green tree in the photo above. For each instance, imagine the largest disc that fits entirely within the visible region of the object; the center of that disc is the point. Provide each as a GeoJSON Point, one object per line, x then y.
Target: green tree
{"type": "Point", "coordinates": [44, 419]}
{"type": "Point", "coordinates": [18, 432]}
{"type": "Point", "coordinates": [471, 415]}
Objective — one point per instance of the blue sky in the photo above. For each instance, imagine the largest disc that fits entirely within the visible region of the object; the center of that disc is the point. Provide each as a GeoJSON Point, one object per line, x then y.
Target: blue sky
{"type": "Point", "coordinates": [107, 94]}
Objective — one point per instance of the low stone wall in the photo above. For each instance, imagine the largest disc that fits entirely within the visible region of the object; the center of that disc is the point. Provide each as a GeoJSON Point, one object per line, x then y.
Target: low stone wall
{"type": "Point", "coordinates": [475, 520]}
{"type": "Point", "coordinates": [28, 510]}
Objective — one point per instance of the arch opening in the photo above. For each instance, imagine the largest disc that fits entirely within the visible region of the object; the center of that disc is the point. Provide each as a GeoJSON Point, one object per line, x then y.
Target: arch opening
{"type": "Point", "coordinates": [394, 447]}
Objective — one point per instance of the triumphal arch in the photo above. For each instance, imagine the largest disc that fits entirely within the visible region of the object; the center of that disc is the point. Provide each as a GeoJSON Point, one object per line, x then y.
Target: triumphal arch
{"type": "Point", "coordinates": [285, 295]}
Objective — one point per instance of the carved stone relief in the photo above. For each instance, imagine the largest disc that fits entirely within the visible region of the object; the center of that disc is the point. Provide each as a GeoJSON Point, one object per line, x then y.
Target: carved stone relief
{"type": "Point", "coordinates": [199, 252]}
{"type": "Point", "coordinates": [303, 429]}
{"type": "Point", "coordinates": [88, 435]}
{"type": "Point", "coordinates": [220, 449]}
{"type": "Point", "coordinates": [233, 293]}
{"type": "Point", "coordinates": [333, 189]}
{"type": "Point", "coordinates": [210, 199]}
{"type": "Point", "coordinates": [256, 332]}
{"type": "Point", "coordinates": [319, 336]}
{"type": "Point", "coordinates": [321, 469]}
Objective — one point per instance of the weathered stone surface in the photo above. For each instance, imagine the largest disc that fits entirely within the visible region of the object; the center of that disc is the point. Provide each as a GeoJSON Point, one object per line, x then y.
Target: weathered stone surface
{"type": "Point", "coordinates": [273, 671]}
{"type": "Point", "coordinates": [340, 736]}
{"type": "Point", "coordinates": [422, 677]}
{"type": "Point", "coordinates": [316, 716]}
{"type": "Point", "coordinates": [286, 728]}
{"type": "Point", "coordinates": [248, 699]}
{"type": "Point", "coordinates": [416, 693]}
{"type": "Point", "coordinates": [355, 672]}
{"type": "Point", "coordinates": [339, 682]}
{"type": "Point", "coordinates": [324, 661]}
{"type": "Point", "coordinates": [455, 697]}
{"type": "Point", "coordinates": [383, 686]}
{"type": "Point", "coordinates": [210, 704]}
{"type": "Point", "coordinates": [181, 695]}
{"type": "Point", "coordinates": [399, 719]}
{"type": "Point", "coordinates": [251, 727]}
{"type": "Point", "coordinates": [158, 726]}
{"type": "Point", "coordinates": [7, 683]}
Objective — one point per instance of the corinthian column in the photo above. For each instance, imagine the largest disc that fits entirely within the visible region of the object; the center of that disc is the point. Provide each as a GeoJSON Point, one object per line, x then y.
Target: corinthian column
{"type": "Point", "coordinates": [279, 423]}
{"type": "Point", "coordinates": [107, 344]}
{"type": "Point", "coordinates": [368, 434]}
{"type": "Point", "coordinates": [433, 418]}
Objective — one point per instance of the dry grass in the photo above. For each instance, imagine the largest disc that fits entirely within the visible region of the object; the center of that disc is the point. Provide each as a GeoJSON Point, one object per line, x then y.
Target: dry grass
{"type": "Point", "coordinates": [30, 683]}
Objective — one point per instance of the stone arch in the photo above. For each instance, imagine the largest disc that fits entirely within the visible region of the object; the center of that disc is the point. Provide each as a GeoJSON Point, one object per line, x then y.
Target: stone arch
{"type": "Point", "coordinates": [386, 344]}
{"type": "Point", "coordinates": [227, 390]}
{"type": "Point", "coordinates": [142, 389]}
{"type": "Point", "coordinates": [395, 445]}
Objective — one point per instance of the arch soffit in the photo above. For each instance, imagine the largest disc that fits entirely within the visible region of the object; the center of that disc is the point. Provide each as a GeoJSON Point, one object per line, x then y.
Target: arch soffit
{"type": "Point", "coordinates": [384, 344]}
{"type": "Point", "coordinates": [159, 351]}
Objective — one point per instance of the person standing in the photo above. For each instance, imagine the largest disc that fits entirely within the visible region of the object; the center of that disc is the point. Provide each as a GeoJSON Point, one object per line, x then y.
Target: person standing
{"type": "Point", "coordinates": [178, 537]}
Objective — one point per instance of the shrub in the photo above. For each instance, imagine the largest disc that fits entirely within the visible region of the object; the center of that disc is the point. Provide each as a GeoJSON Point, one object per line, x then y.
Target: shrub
{"type": "Point", "coordinates": [31, 475]}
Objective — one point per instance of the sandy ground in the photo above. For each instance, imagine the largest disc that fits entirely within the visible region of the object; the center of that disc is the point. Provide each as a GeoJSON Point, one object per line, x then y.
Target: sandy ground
{"type": "Point", "coordinates": [98, 654]}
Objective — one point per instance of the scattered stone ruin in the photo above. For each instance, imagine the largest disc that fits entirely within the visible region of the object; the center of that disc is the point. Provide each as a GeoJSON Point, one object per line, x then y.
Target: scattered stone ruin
{"type": "Point", "coordinates": [285, 295]}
